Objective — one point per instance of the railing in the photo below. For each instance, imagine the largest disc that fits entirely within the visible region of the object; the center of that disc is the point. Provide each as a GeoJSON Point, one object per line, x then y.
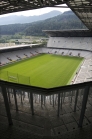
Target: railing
{"type": "Point", "coordinates": [53, 96]}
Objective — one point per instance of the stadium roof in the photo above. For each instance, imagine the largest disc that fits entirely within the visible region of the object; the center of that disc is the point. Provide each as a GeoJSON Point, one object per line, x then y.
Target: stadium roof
{"type": "Point", "coordinates": [82, 8]}
{"type": "Point", "coordinates": [69, 33]}
{"type": "Point", "coordinates": [18, 46]}
{"type": "Point", "coordinates": [13, 47]}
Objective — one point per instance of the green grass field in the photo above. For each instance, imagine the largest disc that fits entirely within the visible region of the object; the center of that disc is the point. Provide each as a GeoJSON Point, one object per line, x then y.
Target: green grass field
{"type": "Point", "coordinates": [45, 70]}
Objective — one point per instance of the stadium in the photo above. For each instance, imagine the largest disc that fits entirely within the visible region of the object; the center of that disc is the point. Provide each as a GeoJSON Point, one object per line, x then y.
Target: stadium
{"type": "Point", "coordinates": [71, 48]}
{"type": "Point", "coordinates": [46, 92]}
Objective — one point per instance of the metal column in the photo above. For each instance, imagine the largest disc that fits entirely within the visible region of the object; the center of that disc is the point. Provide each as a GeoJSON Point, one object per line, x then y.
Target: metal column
{"type": "Point", "coordinates": [6, 104]}
{"type": "Point", "coordinates": [61, 99]}
{"type": "Point", "coordinates": [21, 97]}
{"type": "Point", "coordinates": [84, 102]}
{"type": "Point", "coordinates": [31, 102]}
{"type": "Point", "coordinates": [53, 100]}
{"type": "Point", "coordinates": [8, 95]}
{"type": "Point", "coordinates": [41, 100]}
{"type": "Point", "coordinates": [58, 104]}
{"type": "Point", "coordinates": [15, 99]}
{"type": "Point", "coordinates": [76, 98]}
{"type": "Point", "coordinates": [44, 100]}
{"type": "Point", "coordinates": [50, 99]}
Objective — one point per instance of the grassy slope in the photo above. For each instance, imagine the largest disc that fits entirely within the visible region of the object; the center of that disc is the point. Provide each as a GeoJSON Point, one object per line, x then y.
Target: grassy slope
{"type": "Point", "coordinates": [46, 70]}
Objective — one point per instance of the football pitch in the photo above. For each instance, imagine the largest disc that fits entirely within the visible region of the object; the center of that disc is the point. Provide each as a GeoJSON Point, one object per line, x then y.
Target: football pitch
{"type": "Point", "coordinates": [44, 70]}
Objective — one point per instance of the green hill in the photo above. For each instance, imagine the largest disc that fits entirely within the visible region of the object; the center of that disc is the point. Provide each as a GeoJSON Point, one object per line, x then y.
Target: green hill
{"type": "Point", "coordinates": [67, 20]}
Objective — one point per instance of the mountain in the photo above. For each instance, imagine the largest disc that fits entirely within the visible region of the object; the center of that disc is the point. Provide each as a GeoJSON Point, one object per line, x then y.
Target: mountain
{"type": "Point", "coordinates": [67, 20]}
{"type": "Point", "coordinates": [14, 19]}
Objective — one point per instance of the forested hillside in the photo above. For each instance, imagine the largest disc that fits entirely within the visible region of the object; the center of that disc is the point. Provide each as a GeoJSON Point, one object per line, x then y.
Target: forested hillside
{"type": "Point", "coordinates": [20, 19]}
{"type": "Point", "coordinates": [12, 29]}
{"type": "Point", "coordinates": [67, 20]}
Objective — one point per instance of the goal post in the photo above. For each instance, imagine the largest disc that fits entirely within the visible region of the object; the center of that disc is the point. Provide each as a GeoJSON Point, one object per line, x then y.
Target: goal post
{"type": "Point", "coordinates": [13, 77]}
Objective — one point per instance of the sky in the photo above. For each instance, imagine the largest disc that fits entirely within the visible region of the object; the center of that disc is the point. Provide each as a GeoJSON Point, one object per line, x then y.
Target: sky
{"type": "Point", "coordinates": [37, 11]}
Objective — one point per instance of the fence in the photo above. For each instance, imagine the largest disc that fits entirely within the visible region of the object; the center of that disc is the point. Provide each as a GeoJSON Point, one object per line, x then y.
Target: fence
{"type": "Point", "coordinates": [14, 77]}
{"type": "Point", "coordinates": [77, 96]}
